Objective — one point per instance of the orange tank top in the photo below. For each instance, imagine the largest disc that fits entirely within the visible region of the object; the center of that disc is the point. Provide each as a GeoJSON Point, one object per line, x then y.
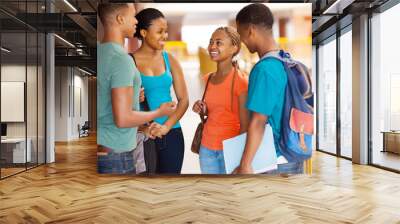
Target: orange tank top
{"type": "Point", "coordinates": [223, 122]}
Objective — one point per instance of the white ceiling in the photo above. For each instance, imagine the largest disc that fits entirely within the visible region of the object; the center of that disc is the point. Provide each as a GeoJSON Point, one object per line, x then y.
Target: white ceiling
{"type": "Point", "coordinates": [213, 13]}
{"type": "Point", "coordinates": [232, 8]}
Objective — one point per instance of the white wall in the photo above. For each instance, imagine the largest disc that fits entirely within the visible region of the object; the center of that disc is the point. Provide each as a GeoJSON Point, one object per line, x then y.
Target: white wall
{"type": "Point", "coordinates": [70, 83]}
{"type": "Point", "coordinates": [15, 73]}
{"type": "Point", "coordinates": [61, 103]}
{"type": "Point", "coordinates": [80, 83]}
{"type": "Point", "coordinates": [12, 73]}
{"type": "Point", "coordinates": [33, 127]}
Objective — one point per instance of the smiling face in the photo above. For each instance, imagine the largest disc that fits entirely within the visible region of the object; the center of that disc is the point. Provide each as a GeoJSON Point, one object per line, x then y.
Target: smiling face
{"type": "Point", "coordinates": [221, 47]}
{"type": "Point", "coordinates": [156, 35]}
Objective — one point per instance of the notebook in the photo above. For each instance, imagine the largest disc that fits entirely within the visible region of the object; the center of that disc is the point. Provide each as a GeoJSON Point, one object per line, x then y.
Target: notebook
{"type": "Point", "coordinates": [264, 160]}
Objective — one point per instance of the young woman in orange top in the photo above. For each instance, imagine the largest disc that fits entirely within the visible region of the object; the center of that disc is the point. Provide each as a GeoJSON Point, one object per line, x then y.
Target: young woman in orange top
{"type": "Point", "coordinates": [224, 101]}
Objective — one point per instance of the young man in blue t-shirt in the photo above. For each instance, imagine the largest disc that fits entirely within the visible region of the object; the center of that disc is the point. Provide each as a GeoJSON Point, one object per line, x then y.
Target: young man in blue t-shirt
{"type": "Point", "coordinates": [267, 84]}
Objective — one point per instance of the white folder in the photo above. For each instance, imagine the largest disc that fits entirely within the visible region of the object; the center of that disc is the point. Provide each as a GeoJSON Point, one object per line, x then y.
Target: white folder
{"type": "Point", "coordinates": [264, 160]}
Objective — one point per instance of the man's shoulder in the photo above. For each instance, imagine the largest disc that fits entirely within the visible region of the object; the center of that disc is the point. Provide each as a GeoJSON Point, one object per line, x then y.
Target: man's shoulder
{"type": "Point", "coordinates": [122, 57]}
{"type": "Point", "coordinates": [121, 61]}
{"type": "Point", "coordinates": [269, 71]}
{"type": "Point", "coordinates": [269, 67]}
{"type": "Point", "coordinates": [269, 63]}
{"type": "Point", "coordinates": [113, 54]}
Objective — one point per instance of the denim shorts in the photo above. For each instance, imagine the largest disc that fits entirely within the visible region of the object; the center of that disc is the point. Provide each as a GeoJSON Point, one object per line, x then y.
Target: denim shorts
{"type": "Point", "coordinates": [211, 161]}
{"type": "Point", "coordinates": [110, 162]}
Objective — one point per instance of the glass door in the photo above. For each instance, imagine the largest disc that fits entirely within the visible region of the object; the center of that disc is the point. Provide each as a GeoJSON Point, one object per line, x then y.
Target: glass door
{"type": "Point", "coordinates": [327, 96]}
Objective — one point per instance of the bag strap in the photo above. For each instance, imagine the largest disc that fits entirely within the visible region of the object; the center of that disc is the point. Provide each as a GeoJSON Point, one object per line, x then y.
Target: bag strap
{"type": "Point", "coordinates": [202, 116]}
{"type": "Point", "coordinates": [133, 57]}
{"type": "Point", "coordinates": [233, 89]}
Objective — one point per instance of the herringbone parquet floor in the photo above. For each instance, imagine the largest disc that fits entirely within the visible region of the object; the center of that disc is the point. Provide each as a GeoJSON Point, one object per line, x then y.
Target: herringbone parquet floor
{"type": "Point", "coordinates": [70, 191]}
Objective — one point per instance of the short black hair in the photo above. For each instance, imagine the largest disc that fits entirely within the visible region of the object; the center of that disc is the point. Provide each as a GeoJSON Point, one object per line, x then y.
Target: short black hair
{"type": "Point", "coordinates": [106, 9]}
{"type": "Point", "coordinates": [256, 14]}
{"type": "Point", "coordinates": [144, 18]}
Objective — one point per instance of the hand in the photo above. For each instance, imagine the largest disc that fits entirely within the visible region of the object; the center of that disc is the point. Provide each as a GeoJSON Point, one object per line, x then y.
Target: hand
{"type": "Point", "coordinates": [243, 169]}
{"type": "Point", "coordinates": [151, 130]}
{"type": "Point", "coordinates": [147, 129]}
{"type": "Point", "coordinates": [199, 107]}
{"type": "Point", "coordinates": [167, 109]}
{"type": "Point", "coordinates": [141, 95]}
{"type": "Point", "coordinates": [159, 130]}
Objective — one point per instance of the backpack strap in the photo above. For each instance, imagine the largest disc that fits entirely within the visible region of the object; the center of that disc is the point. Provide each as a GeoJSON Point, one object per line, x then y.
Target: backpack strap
{"type": "Point", "coordinates": [303, 69]}
{"type": "Point", "coordinates": [273, 54]}
{"type": "Point", "coordinates": [286, 59]}
{"type": "Point", "coordinates": [280, 55]}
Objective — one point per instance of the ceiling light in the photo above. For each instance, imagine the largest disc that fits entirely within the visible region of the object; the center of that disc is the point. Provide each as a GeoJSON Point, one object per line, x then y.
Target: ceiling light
{"type": "Point", "coordinates": [70, 5]}
{"type": "Point", "coordinates": [65, 41]}
{"type": "Point", "coordinates": [84, 71]}
{"type": "Point", "coordinates": [5, 50]}
{"type": "Point", "coordinates": [337, 7]}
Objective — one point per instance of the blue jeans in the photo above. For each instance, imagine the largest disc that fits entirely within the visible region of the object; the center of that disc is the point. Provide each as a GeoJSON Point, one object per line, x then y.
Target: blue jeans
{"type": "Point", "coordinates": [288, 168]}
{"type": "Point", "coordinates": [112, 162]}
{"type": "Point", "coordinates": [211, 161]}
{"type": "Point", "coordinates": [171, 149]}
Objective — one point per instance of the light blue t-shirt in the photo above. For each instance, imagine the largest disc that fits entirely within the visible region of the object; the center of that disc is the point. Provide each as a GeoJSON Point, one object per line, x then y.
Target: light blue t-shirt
{"type": "Point", "coordinates": [157, 89]}
{"type": "Point", "coordinates": [267, 85]}
{"type": "Point", "coordinates": [115, 68]}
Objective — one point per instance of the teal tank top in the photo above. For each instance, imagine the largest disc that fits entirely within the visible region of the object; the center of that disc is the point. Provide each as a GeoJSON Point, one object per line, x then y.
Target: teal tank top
{"type": "Point", "coordinates": [157, 89]}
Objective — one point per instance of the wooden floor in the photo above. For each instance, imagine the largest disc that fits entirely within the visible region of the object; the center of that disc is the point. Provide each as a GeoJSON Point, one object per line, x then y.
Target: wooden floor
{"type": "Point", "coordinates": [5, 172]}
{"type": "Point", "coordinates": [387, 159]}
{"type": "Point", "coordinates": [10, 171]}
{"type": "Point", "coordinates": [70, 191]}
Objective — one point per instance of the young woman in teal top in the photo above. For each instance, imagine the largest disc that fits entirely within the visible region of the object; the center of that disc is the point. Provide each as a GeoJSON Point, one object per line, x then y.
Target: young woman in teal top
{"type": "Point", "coordinates": [159, 71]}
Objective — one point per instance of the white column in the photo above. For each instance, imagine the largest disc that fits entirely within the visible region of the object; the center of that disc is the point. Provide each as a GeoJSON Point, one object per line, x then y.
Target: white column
{"type": "Point", "coordinates": [50, 93]}
{"type": "Point", "coordinates": [360, 90]}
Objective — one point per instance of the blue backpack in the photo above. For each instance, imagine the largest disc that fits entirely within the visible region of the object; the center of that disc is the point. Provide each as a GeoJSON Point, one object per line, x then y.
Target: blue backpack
{"type": "Point", "coordinates": [297, 125]}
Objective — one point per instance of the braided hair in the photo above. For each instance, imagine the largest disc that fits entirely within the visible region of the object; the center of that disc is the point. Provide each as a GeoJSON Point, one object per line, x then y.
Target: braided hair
{"type": "Point", "coordinates": [235, 39]}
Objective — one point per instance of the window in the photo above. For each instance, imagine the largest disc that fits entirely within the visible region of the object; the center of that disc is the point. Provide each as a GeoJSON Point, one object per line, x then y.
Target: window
{"type": "Point", "coordinates": [22, 76]}
{"type": "Point", "coordinates": [327, 97]}
{"type": "Point", "coordinates": [346, 94]}
{"type": "Point", "coordinates": [385, 89]}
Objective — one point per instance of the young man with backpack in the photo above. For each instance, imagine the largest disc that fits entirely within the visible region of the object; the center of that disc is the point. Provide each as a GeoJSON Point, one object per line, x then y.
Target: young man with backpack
{"type": "Point", "coordinates": [267, 87]}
